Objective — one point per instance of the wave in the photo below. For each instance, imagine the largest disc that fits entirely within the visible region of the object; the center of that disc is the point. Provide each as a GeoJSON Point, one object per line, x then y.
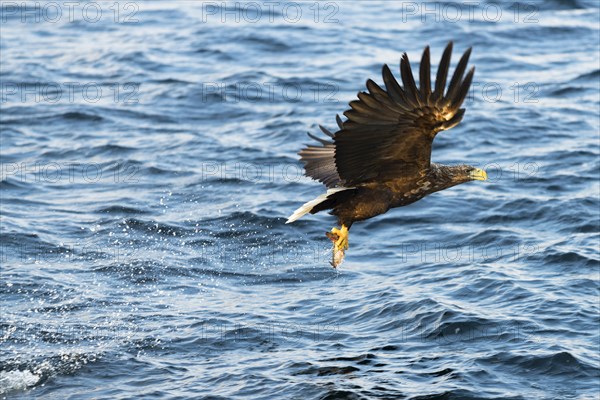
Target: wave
{"type": "Point", "coordinates": [559, 364]}
{"type": "Point", "coordinates": [18, 376]}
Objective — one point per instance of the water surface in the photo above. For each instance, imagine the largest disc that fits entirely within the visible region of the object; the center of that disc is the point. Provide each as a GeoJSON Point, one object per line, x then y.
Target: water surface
{"type": "Point", "coordinates": [149, 164]}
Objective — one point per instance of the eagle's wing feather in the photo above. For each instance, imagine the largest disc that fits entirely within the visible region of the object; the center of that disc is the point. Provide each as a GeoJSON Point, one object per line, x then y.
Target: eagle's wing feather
{"type": "Point", "coordinates": [388, 133]}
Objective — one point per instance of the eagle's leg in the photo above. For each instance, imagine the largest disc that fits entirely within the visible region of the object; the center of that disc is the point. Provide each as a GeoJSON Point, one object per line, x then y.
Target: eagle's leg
{"type": "Point", "coordinates": [342, 238]}
{"type": "Point", "coordinates": [339, 237]}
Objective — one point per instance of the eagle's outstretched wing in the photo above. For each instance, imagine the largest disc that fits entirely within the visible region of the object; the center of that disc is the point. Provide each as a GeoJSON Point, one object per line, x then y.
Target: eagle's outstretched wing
{"type": "Point", "coordinates": [389, 133]}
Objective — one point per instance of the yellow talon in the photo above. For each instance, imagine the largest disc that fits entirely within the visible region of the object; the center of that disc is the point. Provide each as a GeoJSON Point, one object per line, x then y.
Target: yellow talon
{"type": "Point", "coordinates": [339, 237]}
{"type": "Point", "coordinates": [342, 242]}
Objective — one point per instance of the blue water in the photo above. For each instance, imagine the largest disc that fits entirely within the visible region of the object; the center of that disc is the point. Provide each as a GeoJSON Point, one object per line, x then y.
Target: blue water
{"type": "Point", "coordinates": [149, 164]}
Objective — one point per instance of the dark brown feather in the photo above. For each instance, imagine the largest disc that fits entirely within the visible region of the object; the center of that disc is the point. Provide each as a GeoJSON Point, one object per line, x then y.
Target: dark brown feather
{"type": "Point", "coordinates": [458, 74]}
{"type": "Point", "coordinates": [425, 75]}
{"type": "Point", "coordinates": [410, 87]}
{"type": "Point", "coordinates": [391, 84]}
{"type": "Point", "coordinates": [442, 74]}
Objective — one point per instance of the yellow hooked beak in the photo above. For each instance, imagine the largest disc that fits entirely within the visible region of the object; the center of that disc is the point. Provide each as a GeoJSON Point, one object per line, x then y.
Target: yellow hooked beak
{"type": "Point", "coordinates": [478, 175]}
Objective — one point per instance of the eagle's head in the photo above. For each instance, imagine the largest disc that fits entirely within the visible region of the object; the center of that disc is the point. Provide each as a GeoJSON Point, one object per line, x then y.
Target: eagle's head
{"type": "Point", "coordinates": [456, 174]}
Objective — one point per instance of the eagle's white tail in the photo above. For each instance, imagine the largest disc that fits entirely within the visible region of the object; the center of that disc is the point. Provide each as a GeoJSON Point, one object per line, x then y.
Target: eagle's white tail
{"type": "Point", "coordinates": [307, 207]}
